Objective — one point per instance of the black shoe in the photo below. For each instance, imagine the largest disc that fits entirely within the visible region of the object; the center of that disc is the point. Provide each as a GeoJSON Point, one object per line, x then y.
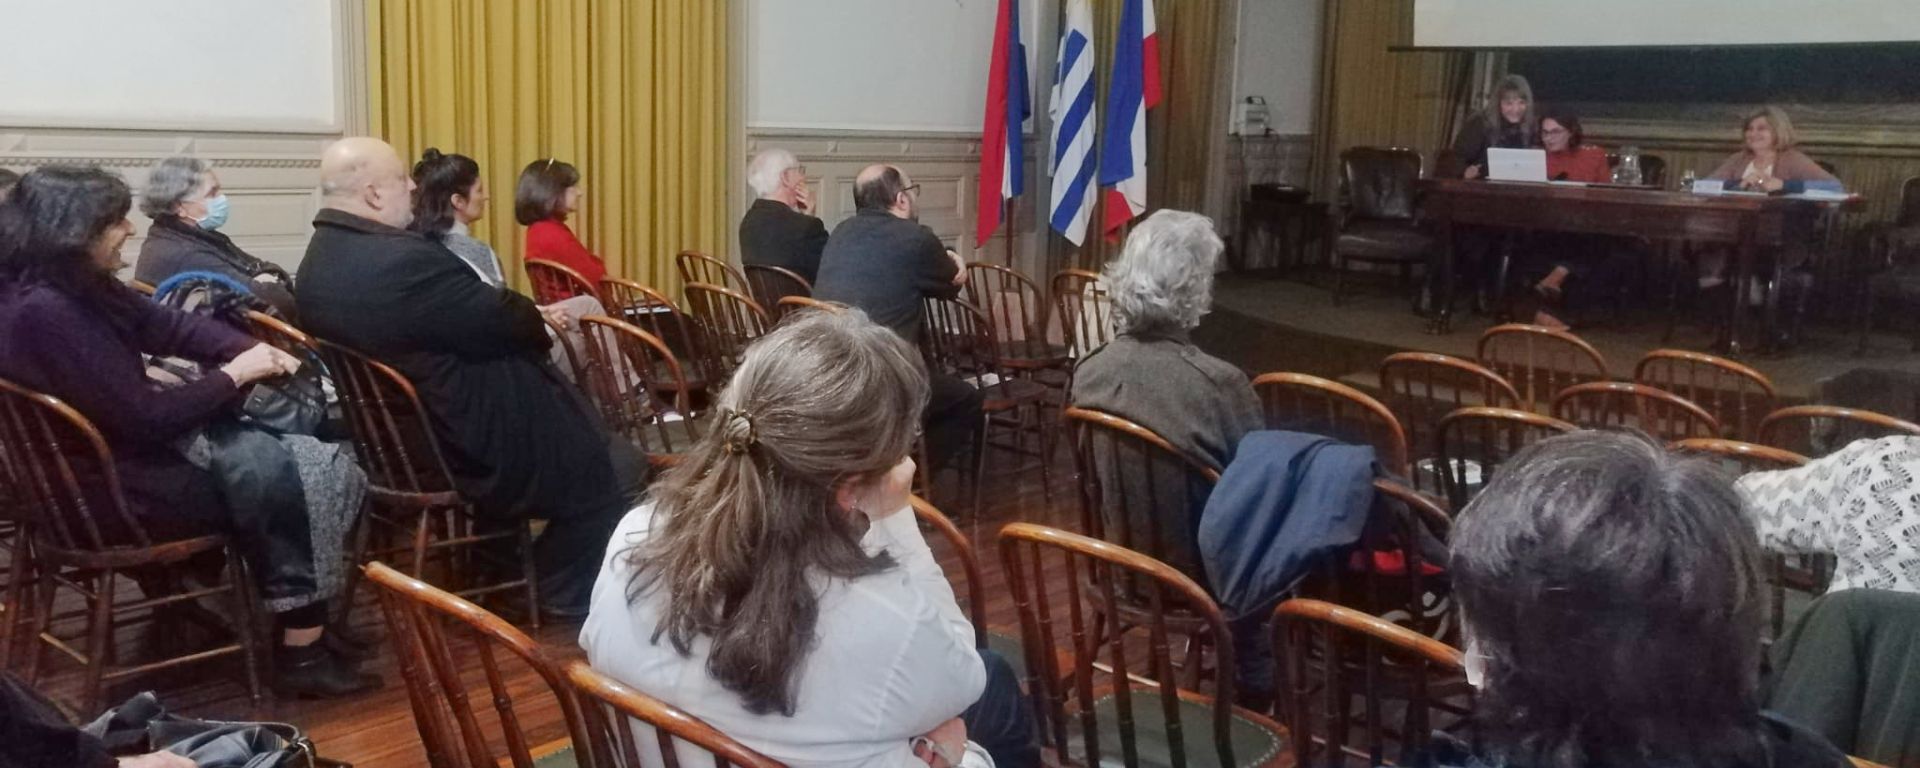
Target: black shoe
{"type": "Point", "coordinates": [350, 645]}
{"type": "Point", "coordinates": [312, 671]}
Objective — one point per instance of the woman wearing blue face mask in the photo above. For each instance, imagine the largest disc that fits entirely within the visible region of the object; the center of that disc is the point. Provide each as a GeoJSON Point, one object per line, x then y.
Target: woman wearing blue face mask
{"type": "Point", "coordinates": [184, 199]}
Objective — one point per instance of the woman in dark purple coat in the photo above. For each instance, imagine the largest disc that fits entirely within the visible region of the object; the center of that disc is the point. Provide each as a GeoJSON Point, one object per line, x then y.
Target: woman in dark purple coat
{"type": "Point", "coordinates": [69, 329]}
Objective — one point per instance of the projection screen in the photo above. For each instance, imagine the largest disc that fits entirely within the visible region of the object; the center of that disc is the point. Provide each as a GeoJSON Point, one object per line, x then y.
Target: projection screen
{"type": "Point", "coordinates": [1555, 24]}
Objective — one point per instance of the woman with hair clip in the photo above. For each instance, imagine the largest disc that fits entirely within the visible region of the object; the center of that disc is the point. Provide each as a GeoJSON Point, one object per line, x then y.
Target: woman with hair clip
{"type": "Point", "coordinates": [1611, 599]}
{"type": "Point", "coordinates": [777, 585]}
{"type": "Point", "coordinates": [548, 192]}
{"type": "Point", "coordinates": [448, 197]}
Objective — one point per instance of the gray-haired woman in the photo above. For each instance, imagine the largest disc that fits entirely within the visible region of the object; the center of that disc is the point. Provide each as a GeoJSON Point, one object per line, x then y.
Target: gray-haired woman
{"type": "Point", "coordinates": [188, 207]}
{"type": "Point", "coordinates": [1508, 121]}
{"type": "Point", "coordinates": [1152, 374]}
{"type": "Point", "coordinates": [1612, 597]}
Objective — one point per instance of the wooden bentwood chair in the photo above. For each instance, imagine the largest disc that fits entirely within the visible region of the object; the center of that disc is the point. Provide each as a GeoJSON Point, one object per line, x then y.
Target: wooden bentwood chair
{"type": "Point", "coordinates": [696, 267]}
{"type": "Point", "coordinates": [1540, 361]}
{"type": "Point", "coordinates": [651, 311]}
{"type": "Point", "coordinates": [1326, 648]}
{"type": "Point", "coordinates": [1422, 387]}
{"type": "Point", "coordinates": [436, 636]}
{"type": "Point", "coordinates": [637, 385]}
{"type": "Point", "coordinates": [553, 282]}
{"type": "Point", "coordinates": [1801, 573]}
{"type": "Point", "coordinates": [1817, 430]}
{"type": "Point", "coordinates": [1302, 403]}
{"type": "Point", "coordinates": [958, 338]}
{"type": "Point", "coordinates": [1086, 316]}
{"type": "Point", "coordinates": [1131, 710]}
{"type": "Point", "coordinates": [728, 321]}
{"type": "Point", "coordinates": [412, 491]}
{"type": "Point", "coordinates": [608, 707]}
{"type": "Point", "coordinates": [1657, 412]}
{"type": "Point", "coordinates": [1737, 396]}
{"type": "Point", "coordinates": [770, 285]}
{"type": "Point", "coordinates": [1474, 442]}
{"type": "Point", "coordinates": [80, 535]}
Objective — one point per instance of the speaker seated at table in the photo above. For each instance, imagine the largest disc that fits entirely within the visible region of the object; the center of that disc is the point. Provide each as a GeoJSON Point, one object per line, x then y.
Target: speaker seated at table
{"type": "Point", "coordinates": [1379, 224]}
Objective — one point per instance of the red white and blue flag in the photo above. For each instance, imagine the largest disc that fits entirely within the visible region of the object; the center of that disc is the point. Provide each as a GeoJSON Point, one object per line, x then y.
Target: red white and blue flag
{"type": "Point", "coordinates": [1074, 118]}
{"type": "Point", "coordinates": [1135, 88]}
{"type": "Point", "coordinates": [1002, 165]}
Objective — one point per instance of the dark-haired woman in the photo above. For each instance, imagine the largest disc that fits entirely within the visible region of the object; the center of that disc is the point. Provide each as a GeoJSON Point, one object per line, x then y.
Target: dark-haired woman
{"type": "Point", "coordinates": [777, 585]}
{"type": "Point", "coordinates": [549, 191]}
{"type": "Point", "coordinates": [70, 329]}
{"type": "Point", "coordinates": [448, 197]}
{"type": "Point", "coordinates": [1587, 260]}
{"type": "Point", "coordinates": [1611, 598]}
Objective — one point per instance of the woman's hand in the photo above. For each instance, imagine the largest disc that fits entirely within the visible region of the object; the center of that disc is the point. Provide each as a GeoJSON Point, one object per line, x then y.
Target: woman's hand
{"type": "Point", "coordinates": [1473, 172]}
{"type": "Point", "coordinates": [260, 361]}
{"type": "Point", "coordinates": [558, 315]}
{"type": "Point", "coordinates": [158, 760]}
{"type": "Point", "coordinates": [884, 495]}
{"type": "Point", "coordinates": [951, 736]}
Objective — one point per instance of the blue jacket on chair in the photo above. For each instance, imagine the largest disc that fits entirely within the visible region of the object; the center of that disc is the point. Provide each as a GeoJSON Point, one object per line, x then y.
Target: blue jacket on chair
{"type": "Point", "coordinates": [1287, 499]}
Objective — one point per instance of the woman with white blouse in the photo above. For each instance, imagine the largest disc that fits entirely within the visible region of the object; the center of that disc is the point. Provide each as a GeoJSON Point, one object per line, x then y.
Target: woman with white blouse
{"type": "Point", "coordinates": [777, 586]}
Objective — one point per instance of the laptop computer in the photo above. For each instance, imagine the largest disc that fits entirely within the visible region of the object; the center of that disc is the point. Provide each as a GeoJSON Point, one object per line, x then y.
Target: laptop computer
{"type": "Point", "coordinates": [1517, 164]}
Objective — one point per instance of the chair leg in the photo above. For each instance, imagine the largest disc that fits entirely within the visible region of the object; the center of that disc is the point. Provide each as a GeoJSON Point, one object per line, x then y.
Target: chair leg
{"type": "Point", "coordinates": [1339, 278]}
{"type": "Point", "coordinates": [44, 585]}
{"type": "Point", "coordinates": [362, 534]}
{"type": "Point", "coordinates": [16, 608]}
{"type": "Point", "coordinates": [420, 537]}
{"type": "Point", "coordinates": [1040, 432]}
{"type": "Point", "coordinates": [99, 635]}
{"type": "Point", "coordinates": [240, 591]}
{"type": "Point", "coordinates": [980, 446]}
{"type": "Point", "coordinates": [530, 574]}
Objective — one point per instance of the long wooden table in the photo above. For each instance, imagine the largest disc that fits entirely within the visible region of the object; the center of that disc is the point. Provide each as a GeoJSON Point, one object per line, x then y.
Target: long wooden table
{"type": "Point", "coordinates": [1747, 223]}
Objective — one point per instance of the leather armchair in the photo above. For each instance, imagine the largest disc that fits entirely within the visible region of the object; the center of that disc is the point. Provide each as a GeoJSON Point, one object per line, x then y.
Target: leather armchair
{"type": "Point", "coordinates": [1381, 221]}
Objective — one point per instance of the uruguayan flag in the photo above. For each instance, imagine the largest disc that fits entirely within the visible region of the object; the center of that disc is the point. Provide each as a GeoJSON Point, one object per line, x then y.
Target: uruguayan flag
{"type": "Point", "coordinates": [1072, 111]}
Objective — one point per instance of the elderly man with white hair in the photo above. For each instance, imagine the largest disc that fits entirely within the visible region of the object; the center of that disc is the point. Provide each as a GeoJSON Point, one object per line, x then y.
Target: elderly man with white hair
{"type": "Point", "coordinates": [1161, 284]}
{"type": "Point", "coordinates": [780, 229]}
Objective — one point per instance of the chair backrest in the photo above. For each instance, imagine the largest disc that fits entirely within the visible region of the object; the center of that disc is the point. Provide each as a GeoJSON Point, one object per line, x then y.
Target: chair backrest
{"type": "Point", "coordinates": [1909, 212]}
{"type": "Point", "coordinates": [437, 636]}
{"type": "Point", "coordinates": [1653, 170]}
{"type": "Point", "coordinates": [1325, 649]}
{"type": "Point", "coordinates": [1744, 457]}
{"type": "Point", "coordinates": [1014, 303]}
{"type": "Point", "coordinates": [1146, 689]}
{"type": "Point", "coordinates": [636, 384]}
{"type": "Point", "coordinates": [772, 284]}
{"type": "Point", "coordinates": [64, 475]}
{"type": "Point", "coordinates": [653, 312]}
{"type": "Point", "coordinates": [791, 304]}
{"type": "Point", "coordinates": [576, 365]}
{"type": "Point", "coordinates": [393, 440]}
{"type": "Point", "coordinates": [1136, 489]}
{"type": "Point", "coordinates": [1473, 442]}
{"type": "Point", "coordinates": [696, 267]}
{"type": "Point", "coordinates": [1086, 316]}
{"type": "Point", "coordinates": [1655, 411]}
{"type": "Point", "coordinates": [960, 339]}
{"type": "Point", "coordinates": [141, 286]}
{"type": "Point", "coordinates": [1736, 395]}
{"type": "Point", "coordinates": [932, 517]}
{"type": "Point", "coordinates": [1302, 403]}
{"type": "Point", "coordinates": [1540, 361]}
{"type": "Point", "coordinates": [1381, 182]}
{"type": "Point", "coordinates": [553, 281]}
{"type": "Point", "coordinates": [1421, 387]}
{"type": "Point", "coordinates": [1817, 430]}
{"type": "Point", "coordinates": [728, 322]}
{"type": "Point", "coordinates": [609, 712]}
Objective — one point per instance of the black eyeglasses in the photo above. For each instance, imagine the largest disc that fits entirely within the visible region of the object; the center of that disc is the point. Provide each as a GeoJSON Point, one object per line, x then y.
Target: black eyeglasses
{"type": "Point", "coordinates": [912, 189]}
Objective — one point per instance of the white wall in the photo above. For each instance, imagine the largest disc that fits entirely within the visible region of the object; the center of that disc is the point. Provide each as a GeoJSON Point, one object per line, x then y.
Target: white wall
{"type": "Point", "coordinates": [1532, 23]}
{"type": "Point", "coordinates": [878, 65]}
{"type": "Point", "coordinates": [258, 88]}
{"type": "Point", "coordinates": [1277, 57]}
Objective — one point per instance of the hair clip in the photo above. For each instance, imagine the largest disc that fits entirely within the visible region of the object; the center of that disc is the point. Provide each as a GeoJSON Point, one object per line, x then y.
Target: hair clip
{"type": "Point", "coordinates": [737, 430]}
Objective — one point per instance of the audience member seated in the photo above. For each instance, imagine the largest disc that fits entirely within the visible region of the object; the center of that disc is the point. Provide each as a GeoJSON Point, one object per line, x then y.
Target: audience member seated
{"type": "Point", "coordinates": [1846, 670]}
{"type": "Point", "coordinates": [448, 197]}
{"type": "Point", "coordinates": [1507, 122]}
{"type": "Point", "coordinates": [780, 229]}
{"type": "Point", "coordinates": [549, 191]}
{"type": "Point", "coordinates": [184, 199]}
{"type": "Point", "coordinates": [1861, 505]}
{"type": "Point", "coordinates": [1583, 258]}
{"type": "Point", "coordinates": [883, 261]}
{"type": "Point", "coordinates": [1151, 373]}
{"type": "Point", "coordinates": [1612, 599]}
{"type": "Point", "coordinates": [778, 587]}
{"type": "Point", "coordinates": [34, 734]}
{"type": "Point", "coordinates": [519, 440]}
{"type": "Point", "coordinates": [74, 331]}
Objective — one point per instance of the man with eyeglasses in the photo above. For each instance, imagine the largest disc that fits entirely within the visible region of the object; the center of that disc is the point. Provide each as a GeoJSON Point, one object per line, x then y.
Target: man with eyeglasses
{"type": "Point", "coordinates": [883, 261]}
{"type": "Point", "coordinates": [780, 228]}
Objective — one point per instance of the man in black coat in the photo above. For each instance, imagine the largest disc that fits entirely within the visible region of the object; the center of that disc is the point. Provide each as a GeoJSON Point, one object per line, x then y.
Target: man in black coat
{"type": "Point", "coordinates": [518, 439]}
{"type": "Point", "coordinates": [884, 262]}
{"type": "Point", "coordinates": [779, 229]}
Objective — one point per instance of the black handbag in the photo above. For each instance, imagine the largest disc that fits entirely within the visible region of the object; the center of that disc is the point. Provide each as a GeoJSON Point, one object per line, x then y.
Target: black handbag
{"type": "Point", "coordinates": [143, 725]}
{"type": "Point", "coordinates": [288, 405]}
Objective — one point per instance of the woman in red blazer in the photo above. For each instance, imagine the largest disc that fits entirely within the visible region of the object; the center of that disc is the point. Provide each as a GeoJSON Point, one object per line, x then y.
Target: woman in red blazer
{"type": "Point", "coordinates": [548, 192]}
{"type": "Point", "coordinates": [1587, 259]}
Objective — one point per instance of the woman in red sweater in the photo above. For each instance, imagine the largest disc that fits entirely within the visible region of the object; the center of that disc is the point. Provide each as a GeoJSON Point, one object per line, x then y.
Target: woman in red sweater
{"type": "Point", "coordinates": [548, 192]}
{"type": "Point", "coordinates": [1584, 258]}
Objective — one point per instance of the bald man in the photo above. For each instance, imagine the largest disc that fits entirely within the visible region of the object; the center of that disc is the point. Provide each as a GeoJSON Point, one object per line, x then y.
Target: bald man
{"type": "Point", "coordinates": [520, 442]}
{"type": "Point", "coordinates": [884, 261]}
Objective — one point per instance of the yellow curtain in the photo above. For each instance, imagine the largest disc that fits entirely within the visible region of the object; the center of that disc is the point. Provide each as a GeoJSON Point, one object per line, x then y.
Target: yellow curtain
{"type": "Point", "coordinates": [633, 92]}
{"type": "Point", "coordinates": [1371, 96]}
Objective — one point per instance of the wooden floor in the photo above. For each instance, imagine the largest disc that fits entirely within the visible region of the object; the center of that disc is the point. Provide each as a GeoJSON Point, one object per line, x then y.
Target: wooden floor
{"type": "Point", "coordinates": [377, 730]}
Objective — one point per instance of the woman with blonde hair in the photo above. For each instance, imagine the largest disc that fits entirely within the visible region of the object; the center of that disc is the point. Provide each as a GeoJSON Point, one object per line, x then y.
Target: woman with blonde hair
{"type": "Point", "coordinates": [777, 586]}
{"type": "Point", "coordinates": [1508, 121]}
{"type": "Point", "coordinates": [1769, 157]}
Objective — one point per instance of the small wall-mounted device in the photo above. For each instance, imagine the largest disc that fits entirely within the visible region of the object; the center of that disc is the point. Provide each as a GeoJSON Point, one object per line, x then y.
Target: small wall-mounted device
{"type": "Point", "coordinates": [1253, 118]}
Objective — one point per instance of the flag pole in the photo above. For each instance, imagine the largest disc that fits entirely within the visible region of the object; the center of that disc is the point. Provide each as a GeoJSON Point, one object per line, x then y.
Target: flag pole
{"type": "Point", "coordinates": [1006, 219]}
